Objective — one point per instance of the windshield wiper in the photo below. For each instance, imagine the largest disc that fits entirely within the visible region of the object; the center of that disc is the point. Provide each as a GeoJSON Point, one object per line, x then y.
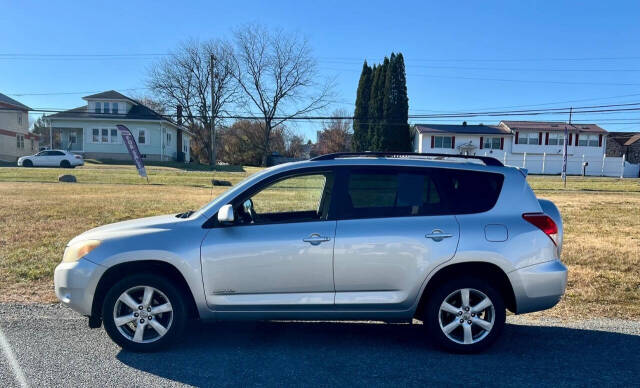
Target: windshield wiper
{"type": "Point", "coordinates": [186, 214]}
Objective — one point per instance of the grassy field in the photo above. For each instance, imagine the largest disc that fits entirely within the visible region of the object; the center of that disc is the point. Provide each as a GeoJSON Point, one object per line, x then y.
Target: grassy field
{"type": "Point", "coordinates": [39, 216]}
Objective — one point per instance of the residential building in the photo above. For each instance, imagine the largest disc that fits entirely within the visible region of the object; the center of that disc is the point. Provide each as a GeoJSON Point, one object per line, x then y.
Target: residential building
{"type": "Point", "coordinates": [15, 138]}
{"type": "Point", "coordinates": [624, 143]}
{"type": "Point", "coordinates": [534, 145]}
{"type": "Point", "coordinates": [91, 130]}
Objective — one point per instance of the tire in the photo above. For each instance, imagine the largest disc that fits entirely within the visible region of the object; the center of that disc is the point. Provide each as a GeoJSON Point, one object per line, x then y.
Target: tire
{"type": "Point", "coordinates": [27, 163]}
{"type": "Point", "coordinates": [65, 164]}
{"type": "Point", "coordinates": [126, 334]}
{"type": "Point", "coordinates": [465, 337]}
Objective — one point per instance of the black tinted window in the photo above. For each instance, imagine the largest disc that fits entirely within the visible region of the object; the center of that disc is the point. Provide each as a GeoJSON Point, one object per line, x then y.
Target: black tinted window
{"type": "Point", "coordinates": [398, 193]}
{"type": "Point", "coordinates": [392, 194]}
{"type": "Point", "coordinates": [470, 191]}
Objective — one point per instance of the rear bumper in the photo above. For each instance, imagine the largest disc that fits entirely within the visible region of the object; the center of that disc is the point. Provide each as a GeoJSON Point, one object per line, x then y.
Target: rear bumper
{"type": "Point", "coordinates": [538, 287]}
{"type": "Point", "coordinates": [75, 284]}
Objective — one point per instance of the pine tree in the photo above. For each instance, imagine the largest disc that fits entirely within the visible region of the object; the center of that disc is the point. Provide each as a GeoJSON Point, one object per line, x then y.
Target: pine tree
{"type": "Point", "coordinates": [398, 116]}
{"type": "Point", "coordinates": [376, 106]}
{"type": "Point", "coordinates": [360, 140]}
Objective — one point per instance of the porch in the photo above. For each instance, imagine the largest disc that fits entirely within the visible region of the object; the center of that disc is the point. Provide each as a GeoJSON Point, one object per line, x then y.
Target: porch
{"type": "Point", "coordinates": [70, 139]}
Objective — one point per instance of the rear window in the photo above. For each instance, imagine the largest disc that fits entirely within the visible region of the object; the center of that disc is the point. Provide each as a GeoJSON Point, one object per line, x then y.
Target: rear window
{"type": "Point", "coordinates": [419, 192]}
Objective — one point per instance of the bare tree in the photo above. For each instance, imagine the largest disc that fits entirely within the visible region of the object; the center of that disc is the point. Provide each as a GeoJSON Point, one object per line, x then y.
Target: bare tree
{"type": "Point", "coordinates": [336, 134]}
{"type": "Point", "coordinates": [184, 78]}
{"type": "Point", "coordinates": [279, 77]}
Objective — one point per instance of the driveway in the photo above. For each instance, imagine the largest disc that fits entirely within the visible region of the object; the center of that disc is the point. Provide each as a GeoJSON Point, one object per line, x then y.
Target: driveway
{"type": "Point", "coordinates": [52, 346]}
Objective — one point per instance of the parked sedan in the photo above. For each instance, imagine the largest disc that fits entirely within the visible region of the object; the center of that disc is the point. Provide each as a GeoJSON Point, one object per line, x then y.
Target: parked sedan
{"type": "Point", "coordinates": [51, 158]}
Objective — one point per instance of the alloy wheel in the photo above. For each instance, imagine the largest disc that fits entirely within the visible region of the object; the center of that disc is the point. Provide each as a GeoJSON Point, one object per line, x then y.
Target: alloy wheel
{"type": "Point", "coordinates": [143, 314]}
{"type": "Point", "coordinates": [466, 316]}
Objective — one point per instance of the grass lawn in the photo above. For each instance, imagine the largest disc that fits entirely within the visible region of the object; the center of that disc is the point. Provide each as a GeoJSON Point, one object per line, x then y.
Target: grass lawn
{"type": "Point", "coordinates": [39, 216]}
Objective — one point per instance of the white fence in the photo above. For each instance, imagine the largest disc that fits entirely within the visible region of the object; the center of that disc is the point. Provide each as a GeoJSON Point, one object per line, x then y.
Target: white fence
{"type": "Point", "coordinates": [552, 165]}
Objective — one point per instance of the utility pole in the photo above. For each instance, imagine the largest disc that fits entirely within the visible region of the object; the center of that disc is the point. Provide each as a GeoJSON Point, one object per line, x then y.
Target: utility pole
{"type": "Point", "coordinates": [565, 150]}
{"type": "Point", "coordinates": [212, 162]}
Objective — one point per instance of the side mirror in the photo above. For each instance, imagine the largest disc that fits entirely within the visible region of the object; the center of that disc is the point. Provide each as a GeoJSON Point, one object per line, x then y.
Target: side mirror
{"type": "Point", "coordinates": [225, 214]}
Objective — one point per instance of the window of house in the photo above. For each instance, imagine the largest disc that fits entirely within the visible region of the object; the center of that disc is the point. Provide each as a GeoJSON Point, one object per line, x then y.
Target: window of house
{"type": "Point", "coordinates": [114, 108]}
{"type": "Point", "coordinates": [442, 141]}
{"type": "Point", "coordinates": [73, 139]}
{"type": "Point", "coordinates": [33, 146]}
{"type": "Point", "coordinates": [168, 137]}
{"type": "Point", "coordinates": [491, 143]}
{"type": "Point", "coordinates": [142, 136]}
{"type": "Point", "coordinates": [96, 135]}
{"type": "Point", "coordinates": [528, 138]}
{"type": "Point", "coordinates": [98, 107]}
{"type": "Point", "coordinates": [20, 142]}
{"type": "Point", "coordinates": [114, 136]}
{"type": "Point", "coordinates": [20, 118]}
{"type": "Point", "coordinates": [588, 140]}
{"type": "Point", "coordinates": [105, 136]}
{"type": "Point", "coordinates": [106, 107]}
{"type": "Point", "coordinates": [556, 139]}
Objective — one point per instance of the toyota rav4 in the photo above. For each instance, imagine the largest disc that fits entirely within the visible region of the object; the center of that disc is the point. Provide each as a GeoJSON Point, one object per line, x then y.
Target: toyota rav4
{"type": "Point", "coordinates": [453, 241]}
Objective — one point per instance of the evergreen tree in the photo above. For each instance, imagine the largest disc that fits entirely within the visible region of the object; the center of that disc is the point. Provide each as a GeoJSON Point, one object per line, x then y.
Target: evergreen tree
{"type": "Point", "coordinates": [360, 140]}
{"type": "Point", "coordinates": [376, 106]}
{"type": "Point", "coordinates": [386, 126]}
{"type": "Point", "coordinates": [397, 111]}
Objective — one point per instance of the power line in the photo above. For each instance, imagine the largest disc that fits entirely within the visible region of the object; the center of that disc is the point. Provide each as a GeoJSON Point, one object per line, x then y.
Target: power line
{"type": "Point", "coordinates": [594, 109]}
{"type": "Point", "coordinates": [68, 93]}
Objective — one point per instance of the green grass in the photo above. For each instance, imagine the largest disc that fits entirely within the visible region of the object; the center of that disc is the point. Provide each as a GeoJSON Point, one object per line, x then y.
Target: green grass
{"type": "Point", "coordinates": [165, 174]}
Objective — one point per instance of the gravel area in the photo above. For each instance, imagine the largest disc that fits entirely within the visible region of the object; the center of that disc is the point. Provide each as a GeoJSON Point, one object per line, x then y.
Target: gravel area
{"type": "Point", "coordinates": [54, 347]}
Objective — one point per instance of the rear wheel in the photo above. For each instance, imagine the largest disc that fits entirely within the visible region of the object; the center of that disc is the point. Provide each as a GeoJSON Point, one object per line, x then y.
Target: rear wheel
{"type": "Point", "coordinates": [65, 164]}
{"type": "Point", "coordinates": [465, 315]}
{"type": "Point", "coordinates": [144, 312]}
{"type": "Point", "coordinates": [27, 163]}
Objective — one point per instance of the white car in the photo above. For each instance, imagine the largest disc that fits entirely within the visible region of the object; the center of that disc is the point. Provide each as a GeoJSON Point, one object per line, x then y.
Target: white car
{"type": "Point", "coordinates": [51, 158]}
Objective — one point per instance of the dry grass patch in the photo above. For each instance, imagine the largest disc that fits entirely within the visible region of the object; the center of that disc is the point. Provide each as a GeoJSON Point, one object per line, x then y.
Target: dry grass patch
{"type": "Point", "coordinates": [602, 246]}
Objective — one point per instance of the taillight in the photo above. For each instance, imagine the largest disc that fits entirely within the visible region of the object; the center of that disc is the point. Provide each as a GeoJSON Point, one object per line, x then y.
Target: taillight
{"type": "Point", "coordinates": [78, 157]}
{"type": "Point", "coordinates": [544, 223]}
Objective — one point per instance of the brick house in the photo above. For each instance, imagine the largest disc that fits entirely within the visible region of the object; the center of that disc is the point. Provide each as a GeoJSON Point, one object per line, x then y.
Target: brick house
{"type": "Point", "coordinates": [624, 143]}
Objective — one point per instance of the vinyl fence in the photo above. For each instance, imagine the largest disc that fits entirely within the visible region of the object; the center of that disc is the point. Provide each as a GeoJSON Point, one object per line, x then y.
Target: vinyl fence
{"type": "Point", "coordinates": [552, 165]}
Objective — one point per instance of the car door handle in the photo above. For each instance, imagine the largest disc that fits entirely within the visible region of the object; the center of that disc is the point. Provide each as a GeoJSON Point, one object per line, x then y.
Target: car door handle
{"type": "Point", "coordinates": [438, 235]}
{"type": "Point", "coordinates": [315, 239]}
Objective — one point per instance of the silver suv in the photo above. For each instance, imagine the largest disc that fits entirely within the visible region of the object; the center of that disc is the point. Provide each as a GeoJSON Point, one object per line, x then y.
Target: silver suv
{"type": "Point", "coordinates": [452, 241]}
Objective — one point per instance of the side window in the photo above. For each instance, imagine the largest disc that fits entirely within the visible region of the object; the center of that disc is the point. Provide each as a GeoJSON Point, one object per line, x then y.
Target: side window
{"type": "Point", "coordinates": [142, 136]}
{"type": "Point", "coordinates": [98, 108]}
{"type": "Point", "coordinates": [468, 192]}
{"type": "Point", "coordinates": [373, 194]}
{"type": "Point", "coordinates": [95, 135]}
{"type": "Point", "coordinates": [294, 199]}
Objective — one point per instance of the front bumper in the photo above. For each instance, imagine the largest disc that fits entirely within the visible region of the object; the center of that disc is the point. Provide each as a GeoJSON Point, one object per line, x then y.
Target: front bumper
{"type": "Point", "coordinates": [539, 286]}
{"type": "Point", "coordinates": [75, 284]}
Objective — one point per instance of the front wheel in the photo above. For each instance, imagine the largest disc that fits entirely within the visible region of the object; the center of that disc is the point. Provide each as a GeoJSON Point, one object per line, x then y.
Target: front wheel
{"type": "Point", "coordinates": [465, 315]}
{"type": "Point", "coordinates": [144, 313]}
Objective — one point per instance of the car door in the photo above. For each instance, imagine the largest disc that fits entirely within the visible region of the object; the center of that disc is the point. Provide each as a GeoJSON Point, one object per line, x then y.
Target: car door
{"type": "Point", "coordinates": [392, 230]}
{"type": "Point", "coordinates": [43, 158]}
{"type": "Point", "coordinates": [278, 253]}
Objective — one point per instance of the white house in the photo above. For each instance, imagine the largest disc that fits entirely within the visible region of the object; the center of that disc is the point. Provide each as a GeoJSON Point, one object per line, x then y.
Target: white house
{"type": "Point", "coordinates": [15, 138]}
{"type": "Point", "coordinates": [534, 145]}
{"type": "Point", "coordinates": [90, 130]}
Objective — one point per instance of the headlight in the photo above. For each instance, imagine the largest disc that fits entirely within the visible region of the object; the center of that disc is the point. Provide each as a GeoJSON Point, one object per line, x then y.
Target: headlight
{"type": "Point", "coordinates": [79, 250]}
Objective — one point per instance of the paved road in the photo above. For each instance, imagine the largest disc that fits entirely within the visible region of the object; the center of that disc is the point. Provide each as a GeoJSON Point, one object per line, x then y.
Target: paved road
{"type": "Point", "coordinates": [52, 346]}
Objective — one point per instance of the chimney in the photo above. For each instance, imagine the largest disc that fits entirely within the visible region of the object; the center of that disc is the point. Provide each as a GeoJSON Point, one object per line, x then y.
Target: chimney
{"type": "Point", "coordinates": [179, 153]}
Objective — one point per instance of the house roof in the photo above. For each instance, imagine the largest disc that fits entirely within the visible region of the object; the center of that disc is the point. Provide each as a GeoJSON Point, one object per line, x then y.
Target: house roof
{"type": "Point", "coordinates": [4, 99]}
{"type": "Point", "coordinates": [625, 138]}
{"type": "Point", "coordinates": [550, 126]}
{"type": "Point", "coordinates": [137, 112]}
{"type": "Point", "coordinates": [464, 129]}
{"type": "Point", "coordinates": [109, 95]}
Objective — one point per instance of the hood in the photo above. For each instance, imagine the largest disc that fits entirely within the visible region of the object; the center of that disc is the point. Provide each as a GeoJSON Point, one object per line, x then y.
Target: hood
{"type": "Point", "coordinates": [129, 228]}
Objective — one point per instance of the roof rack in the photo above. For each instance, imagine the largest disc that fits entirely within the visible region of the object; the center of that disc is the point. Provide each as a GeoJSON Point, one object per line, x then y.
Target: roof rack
{"type": "Point", "coordinates": [487, 160]}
